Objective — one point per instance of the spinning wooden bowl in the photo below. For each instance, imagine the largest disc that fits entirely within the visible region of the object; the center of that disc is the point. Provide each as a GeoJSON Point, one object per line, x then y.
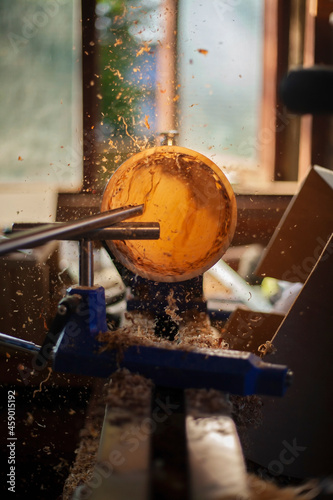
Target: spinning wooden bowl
{"type": "Point", "coordinates": [191, 199]}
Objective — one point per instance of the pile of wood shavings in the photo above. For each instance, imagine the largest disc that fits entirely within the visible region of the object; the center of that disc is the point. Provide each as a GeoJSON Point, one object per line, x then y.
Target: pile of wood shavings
{"type": "Point", "coordinates": [86, 454]}
{"type": "Point", "coordinates": [198, 334]}
{"type": "Point", "coordinates": [129, 397]}
{"type": "Point", "coordinates": [194, 333]}
{"type": "Point", "coordinates": [194, 326]}
{"type": "Point", "coordinates": [138, 332]}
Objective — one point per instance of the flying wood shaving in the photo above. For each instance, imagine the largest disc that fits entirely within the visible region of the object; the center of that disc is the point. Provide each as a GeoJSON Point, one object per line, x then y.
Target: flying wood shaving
{"type": "Point", "coordinates": [127, 132]}
{"type": "Point", "coordinates": [42, 382]}
{"type": "Point", "coordinates": [143, 49]}
{"type": "Point", "coordinates": [172, 308]}
{"type": "Point", "coordinates": [118, 74]}
{"type": "Point", "coordinates": [146, 122]}
{"type": "Point", "coordinates": [203, 51]}
{"type": "Point", "coordinates": [121, 118]}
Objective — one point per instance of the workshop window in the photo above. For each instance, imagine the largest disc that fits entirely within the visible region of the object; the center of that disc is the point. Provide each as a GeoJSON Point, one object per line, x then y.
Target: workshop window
{"type": "Point", "coordinates": [220, 47]}
{"type": "Point", "coordinates": [209, 70]}
{"type": "Point", "coordinates": [41, 106]}
{"type": "Point", "coordinates": [198, 71]}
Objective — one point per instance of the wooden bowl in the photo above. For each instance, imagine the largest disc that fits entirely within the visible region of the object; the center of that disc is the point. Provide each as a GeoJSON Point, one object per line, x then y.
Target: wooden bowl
{"type": "Point", "coordinates": [191, 199]}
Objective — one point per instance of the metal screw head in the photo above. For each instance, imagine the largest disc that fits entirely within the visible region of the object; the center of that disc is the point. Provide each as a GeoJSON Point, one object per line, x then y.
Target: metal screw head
{"type": "Point", "coordinates": [62, 309]}
{"type": "Point", "coordinates": [168, 138]}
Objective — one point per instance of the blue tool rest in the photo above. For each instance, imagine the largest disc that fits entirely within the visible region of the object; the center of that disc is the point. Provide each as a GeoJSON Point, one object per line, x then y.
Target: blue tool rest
{"type": "Point", "coordinates": [79, 351]}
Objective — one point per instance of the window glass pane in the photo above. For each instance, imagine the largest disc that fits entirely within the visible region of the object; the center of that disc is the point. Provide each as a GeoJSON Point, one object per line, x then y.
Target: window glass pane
{"type": "Point", "coordinates": [213, 92]}
{"type": "Point", "coordinates": [220, 70]}
{"type": "Point", "coordinates": [41, 106]}
{"type": "Point", "coordinates": [128, 34]}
